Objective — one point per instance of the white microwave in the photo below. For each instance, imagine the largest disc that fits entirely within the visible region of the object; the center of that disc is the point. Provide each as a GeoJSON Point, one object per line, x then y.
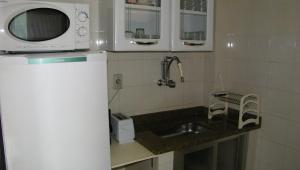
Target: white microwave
{"type": "Point", "coordinates": [37, 26]}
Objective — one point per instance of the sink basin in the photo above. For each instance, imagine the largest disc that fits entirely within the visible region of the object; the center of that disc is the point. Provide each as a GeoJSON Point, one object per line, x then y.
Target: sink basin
{"type": "Point", "coordinates": [183, 129]}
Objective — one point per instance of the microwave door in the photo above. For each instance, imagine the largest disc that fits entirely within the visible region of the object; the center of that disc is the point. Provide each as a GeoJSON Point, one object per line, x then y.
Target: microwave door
{"type": "Point", "coordinates": [38, 25]}
{"type": "Point", "coordinates": [43, 26]}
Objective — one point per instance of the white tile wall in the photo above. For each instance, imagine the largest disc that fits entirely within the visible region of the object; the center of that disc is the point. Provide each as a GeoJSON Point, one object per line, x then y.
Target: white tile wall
{"type": "Point", "coordinates": [291, 159]}
{"type": "Point", "coordinates": [271, 155]}
{"type": "Point", "coordinates": [274, 129]}
{"type": "Point", "coordinates": [293, 137]}
{"type": "Point", "coordinates": [141, 71]}
{"type": "Point", "coordinates": [265, 60]}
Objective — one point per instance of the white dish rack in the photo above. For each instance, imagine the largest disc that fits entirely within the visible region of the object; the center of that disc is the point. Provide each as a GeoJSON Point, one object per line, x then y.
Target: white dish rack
{"type": "Point", "coordinates": [220, 102]}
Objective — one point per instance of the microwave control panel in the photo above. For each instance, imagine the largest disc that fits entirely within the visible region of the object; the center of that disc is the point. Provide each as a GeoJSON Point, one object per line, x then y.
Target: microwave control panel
{"type": "Point", "coordinates": [82, 26]}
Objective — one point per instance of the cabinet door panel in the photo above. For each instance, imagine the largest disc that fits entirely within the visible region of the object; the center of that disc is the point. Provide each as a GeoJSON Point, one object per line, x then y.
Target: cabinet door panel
{"type": "Point", "coordinates": [192, 25]}
{"type": "Point", "coordinates": [141, 25]}
{"type": "Point", "coordinates": [231, 154]}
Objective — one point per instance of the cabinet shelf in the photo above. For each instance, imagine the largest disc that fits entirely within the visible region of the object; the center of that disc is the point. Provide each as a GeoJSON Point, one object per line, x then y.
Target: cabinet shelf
{"type": "Point", "coordinates": [191, 12]}
{"type": "Point", "coordinates": [142, 7]}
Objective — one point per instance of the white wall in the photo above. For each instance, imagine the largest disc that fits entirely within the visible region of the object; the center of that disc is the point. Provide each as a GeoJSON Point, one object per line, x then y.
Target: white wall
{"type": "Point", "coordinates": [265, 59]}
{"type": "Point", "coordinates": [141, 71]}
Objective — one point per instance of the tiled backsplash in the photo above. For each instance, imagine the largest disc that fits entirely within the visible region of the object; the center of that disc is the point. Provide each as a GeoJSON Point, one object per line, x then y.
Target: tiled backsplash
{"type": "Point", "coordinates": [264, 59]}
{"type": "Point", "coordinates": [141, 71]}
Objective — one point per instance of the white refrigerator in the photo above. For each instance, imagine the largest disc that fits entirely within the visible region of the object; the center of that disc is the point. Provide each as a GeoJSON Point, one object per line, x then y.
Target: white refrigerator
{"type": "Point", "coordinates": [54, 111]}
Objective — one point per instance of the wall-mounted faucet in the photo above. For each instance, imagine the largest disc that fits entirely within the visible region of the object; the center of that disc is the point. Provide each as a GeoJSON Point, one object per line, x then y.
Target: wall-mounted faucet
{"type": "Point", "coordinates": [165, 71]}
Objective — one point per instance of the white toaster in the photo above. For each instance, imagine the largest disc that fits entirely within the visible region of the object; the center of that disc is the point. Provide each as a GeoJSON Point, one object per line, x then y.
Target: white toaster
{"type": "Point", "coordinates": [122, 128]}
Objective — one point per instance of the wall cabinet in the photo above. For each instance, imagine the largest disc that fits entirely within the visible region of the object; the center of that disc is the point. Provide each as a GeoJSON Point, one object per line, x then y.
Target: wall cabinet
{"type": "Point", "coordinates": [138, 25]}
{"type": "Point", "coordinates": [192, 25]}
{"type": "Point", "coordinates": [157, 25]}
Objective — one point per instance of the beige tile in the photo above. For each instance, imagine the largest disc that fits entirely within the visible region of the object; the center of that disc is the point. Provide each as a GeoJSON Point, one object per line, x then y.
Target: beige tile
{"type": "Point", "coordinates": [224, 12]}
{"type": "Point", "coordinates": [261, 15]}
{"type": "Point", "coordinates": [258, 47]}
{"type": "Point", "coordinates": [257, 73]}
{"type": "Point", "coordinates": [152, 97]}
{"type": "Point", "coordinates": [193, 94]}
{"type": "Point", "coordinates": [151, 71]}
{"type": "Point", "coordinates": [207, 89]}
{"type": "Point", "coordinates": [296, 77]}
{"type": "Point", "coordinates": [282, 48]}
{"type": "Point", "coordinates": [274, 128]}
{"type": "Point", "coordinates": [129, 56]}
{"type": "Point", "coordinates": [293, 137]}
{"type": "Point", "coordinates": [295, 108]}
{"type": "Point", "coordinates": [139, 99]}
{"type": "Point", "coordinates": [238, 71]}
{"type": "Point", "coordinates": [284, 16]}
{"type": "Point", "coordinates": [112, 68]}
{"type": "Point", "coordinates": [291, 159]}
{"type": "Point", "coordinates": [132, 71]}
{"type": "Point", "coordinates": [297, 56]}
{"type": "Point", "coordinates": [240, 42]}
{"type": "Point", "coordinates": [209, 68]}
{"type": "Point", "coordinates": [172, 96]}
{"type": "Point", "coordinates": [193, 69]}
{"type": "Point", "coordinates": [269, 166]}
{"type": "Point", "coordinates": [272, 155]}
{"type": "Point", "coordinates": [281, 76]}
{"type": "Point", "coordinates": [222, 74]}
{"type": "Point", "coordinates": [114, 104]}
{"type": "Point", "coordinates": [132, 100]}
{"type": "Point", "coordinates": [277, 103]}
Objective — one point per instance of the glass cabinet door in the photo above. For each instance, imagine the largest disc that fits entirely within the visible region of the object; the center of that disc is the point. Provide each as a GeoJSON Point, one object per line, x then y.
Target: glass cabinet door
{"type": "Point", "coordinates": [142, 21]}
{"type": "Point", "coordinates": [193, 20]}
{"type": "Point", "coordinates": [192, 23]}
{"type": "Point", "coordinates": [145, 25]}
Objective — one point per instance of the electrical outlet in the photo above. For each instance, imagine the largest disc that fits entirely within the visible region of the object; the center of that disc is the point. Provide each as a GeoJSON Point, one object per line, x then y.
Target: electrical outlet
{"type": "Point", "coordinates": [118, 81]}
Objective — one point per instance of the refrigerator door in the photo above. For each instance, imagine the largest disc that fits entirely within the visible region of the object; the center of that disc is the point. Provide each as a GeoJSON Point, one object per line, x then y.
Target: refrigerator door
{"type": "Point", "coordinates": [54, 113]}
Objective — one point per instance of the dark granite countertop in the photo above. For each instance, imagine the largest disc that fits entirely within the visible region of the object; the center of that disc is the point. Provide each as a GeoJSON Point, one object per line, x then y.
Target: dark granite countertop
{"type": "Point", "coordinates": [148, 126]}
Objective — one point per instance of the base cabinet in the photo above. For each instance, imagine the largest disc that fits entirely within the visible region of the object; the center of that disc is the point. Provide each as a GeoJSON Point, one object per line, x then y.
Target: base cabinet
{"type": "Point", "coordinates": [165, 161]}
{"type": "Point", "coordinates": [143, 165]}
{"type": "Point", "coordinates": [162, 162]}
{"type": "Point", "coordinates": [225, 154]}
{"type": "Point", "coordinates": [231, 154]}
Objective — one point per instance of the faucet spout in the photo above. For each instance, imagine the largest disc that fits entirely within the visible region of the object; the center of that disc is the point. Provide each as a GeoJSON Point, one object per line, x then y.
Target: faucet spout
{"type": "Point", "coordinates": [166, 64]}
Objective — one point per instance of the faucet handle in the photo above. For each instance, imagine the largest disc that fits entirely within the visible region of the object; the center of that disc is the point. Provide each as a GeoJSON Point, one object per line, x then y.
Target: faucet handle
{"type": "Point", "coordinates": [160, 82]}
{"type": "Point", "coordinates": [171, 84]}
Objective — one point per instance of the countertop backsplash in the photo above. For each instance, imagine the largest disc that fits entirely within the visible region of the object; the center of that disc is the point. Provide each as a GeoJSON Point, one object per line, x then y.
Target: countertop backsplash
{"type": "Point", "coordinates": [141, 71]}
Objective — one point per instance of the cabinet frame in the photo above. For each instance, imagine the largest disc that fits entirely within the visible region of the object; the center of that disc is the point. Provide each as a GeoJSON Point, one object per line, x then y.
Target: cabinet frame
{"type": "Point", "coordinates": [213, 156]}
{"type": "Point", "coordinates": [114, 17]}
{"type": "Point", "coordinates": [112, 28]}
{"type": "Point", "coordinates": [187, 45]}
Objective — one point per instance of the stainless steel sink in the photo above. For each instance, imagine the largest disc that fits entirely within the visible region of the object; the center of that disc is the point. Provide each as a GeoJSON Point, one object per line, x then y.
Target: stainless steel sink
{"type": "Point", "coordinates": [186, 128]}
